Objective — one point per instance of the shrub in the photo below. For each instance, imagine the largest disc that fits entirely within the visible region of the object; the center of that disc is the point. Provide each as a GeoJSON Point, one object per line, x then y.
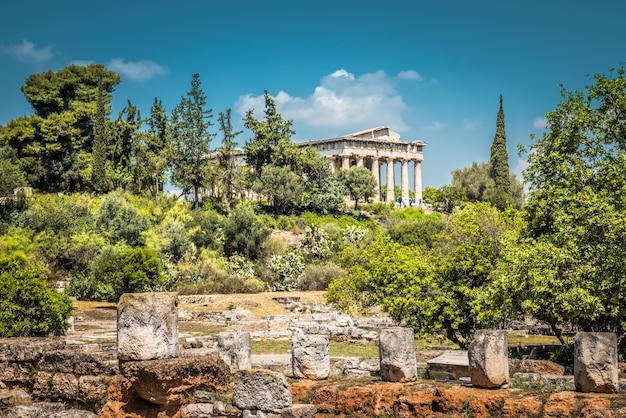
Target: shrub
{"type": "Point", "coordinates": [288, 271]}
{"type": "Point", "coordinates": [244, 233]}
{"type": "Point", "coordinates": [318, 276]}
{"type": "Point", "coordinates": [316, 243]}
{"type": "Point", "coordinates": [29, 307]}
{"type": "Point", "coordinates": [121, 221]}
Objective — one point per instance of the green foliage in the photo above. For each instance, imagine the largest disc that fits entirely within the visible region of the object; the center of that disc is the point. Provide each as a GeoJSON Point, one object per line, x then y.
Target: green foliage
{"type": "Point", "coordinates": [419, 231]}
{"type": "Point", "coordinates": [354, 235]}
{"type": "Point", "coordinates": [190, 141]}
{"type": "Point", "coordinates": [244, 233]}
{"type": "Point", "coordinates": [444, 199]}
{"type": "Point", "coordinates": [29, 307]}
{"type": "Point", "coordinates": [568, 262]}
{"type": "Point", "coordinates": [283, 186]}
{"type": "Point", "coordinates": [479, 186]}
{"type": "Point", "coordinates": [499, 162]}
{"type": "Point", "coordinates": [271, 144]}
{"type": "Point", "coordinates": [116, 270]}
{"type": "Point", "coordinates": [315, 244]}
{"type": "Point", "coordinates": [360, 183]}
{"type": "Point", "coordinates": [319, 276]}
{"type": "Point", "coordinates": [121, 221]}
{"type": "Point", "coordinates": [287, 271]}
{"type": "Point", "coordinates": [11, 176]}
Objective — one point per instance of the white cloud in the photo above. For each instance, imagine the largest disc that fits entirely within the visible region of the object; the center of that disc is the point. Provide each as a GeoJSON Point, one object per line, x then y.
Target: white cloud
{"type": "Point", "coordinates": [28, 52]}
{"type": "Point", "coordinates": [470, 125]}
{"type": "Point", "coordinates": [540, 122]}
{"type": "Point", "coordinates": [137, 70]}
{"type": "Point", "coordinates": [340, 104]}
{"type": "Point", "coordinates": [409, 75]}
{"type": "Point", "coordinates": [521, 165]}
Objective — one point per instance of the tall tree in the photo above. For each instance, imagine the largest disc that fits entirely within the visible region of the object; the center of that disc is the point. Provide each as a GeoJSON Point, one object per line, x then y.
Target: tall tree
{"type": "Point", "coordinates": [500, 162]}
{"type": "Point", "coordinates": [360, 183]}
{"type": "Point", "coordinates": [478, 185]}
{"type": "Point", "coordinates": [54, 146]}
{"type": "Point", "coordinates": [190, 140]}
{"type": "Point", "coordinates": [99, 155]}
{"type": "Point", "coordinates": [157, 144]}
{"type": "Point", "coordinates": [568, 264]}
{"type": "Point", "coordinates": [271, 143]}
{"type": "Point", "coordinates": [226, 156]}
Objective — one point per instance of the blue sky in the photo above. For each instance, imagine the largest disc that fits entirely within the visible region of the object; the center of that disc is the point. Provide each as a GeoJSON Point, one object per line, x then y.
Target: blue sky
{"type": "Point", "coordinates": [431, 71]}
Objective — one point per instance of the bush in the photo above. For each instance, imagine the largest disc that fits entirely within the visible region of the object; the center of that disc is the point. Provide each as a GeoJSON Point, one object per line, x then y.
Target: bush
{"type": "Point", "coordinates": [318, 276]}
{"type": "Point", "coordinates": [244, 233]}
{"type": "Point", "coordinates": [288, 271]}
{"type": "Point", "coordinates": [116, 270]}
{"type": "Point", "coordinates": [563, 354]}
{"type": "Point", "coordinates": [29, 307]}
{"type": "Point", "coordinates": [121, 221]}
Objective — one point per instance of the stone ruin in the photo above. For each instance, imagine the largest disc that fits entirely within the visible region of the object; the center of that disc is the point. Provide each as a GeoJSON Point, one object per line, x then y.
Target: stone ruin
{"type": "Point", "coordinates": [150, 376]}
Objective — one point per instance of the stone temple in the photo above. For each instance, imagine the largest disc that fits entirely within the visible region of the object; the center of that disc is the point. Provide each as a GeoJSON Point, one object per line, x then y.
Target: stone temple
{"type": "Point", "coordinates": [373, 149]}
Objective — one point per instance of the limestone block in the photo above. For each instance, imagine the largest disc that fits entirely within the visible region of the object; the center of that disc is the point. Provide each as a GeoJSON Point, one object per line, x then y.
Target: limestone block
{"type": "Point", "coordinates": [197, 410]}
{"type": "Point", "coordinates": [28, 349]}
{"type": "Point", "coordinates": [65, 385]}
{"type": "Point", "coordinates": [234, 349]}
{"type": "Point", "coordinates": [397, 355]}
{"type": "Point", "coordinates": [93, 389]}
{"type": "Point", "coordinates": [262, 390]}
{"type": "Point", "coordinates": [42, 385]}
{"type": "Point", "coordinates": [310, 356]}
{"type": "Point", "coordinates": [595, 362]}
{"type": "Point", "coordinates": [488, 359]}
{"type": "Point", "coordinates": [147, 326]}
{"type": "Point", "coordinates": [299, 411]}
{"type": "Point", "coordinates": [170, 381]}
{"type": "Point", "coordinates": [14, 373]}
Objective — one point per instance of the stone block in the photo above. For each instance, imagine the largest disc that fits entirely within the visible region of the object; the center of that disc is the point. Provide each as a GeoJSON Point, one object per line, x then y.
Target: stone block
{"type": "Point", "coordinates": [65, 385]}
{"type": "Point", "coordinates": [595, 362]}
{"type": "Point", "coordinates": [234, 349]}
{"type": "Point", "coordinates": [451, 365]}
{"type": "Point", "coordinates": [299, 411]}
{"type": "Point", "coordinates": [310, 356]}
{"type": "Point", "coordinates": [28, 349]}
{"type": "Point", "coordinates": [171, 381]}
{"type": "Point", "coordinates": [147, 326]}
{"type": "Point", "coordinates": [488, 359]}
{"type": "Point", "coordinates": [397, 355]}
{"type": "Point", "coordinates": [197, 410]}
{"type": "Point", "coordinates": [261, 390]}
{"type": "Point", "coordinates": [93, 389]}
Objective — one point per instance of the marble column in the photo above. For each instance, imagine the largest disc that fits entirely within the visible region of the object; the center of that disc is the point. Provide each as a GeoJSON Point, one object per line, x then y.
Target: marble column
{"type": "Point", "coordinates": [405, 182]}
{"type": "Point", "coordinates": [418, 182]}
{"type": "Point", "coordinates": [331, 163]}
{"type": "Point", "coordinates": [376, 174]}
{"type": "Point", "coordinates": [345, 162]}
{"type": "Point", "coordinates": [359, 161]}
{"type": "Point", "coordinates": [390, 182]}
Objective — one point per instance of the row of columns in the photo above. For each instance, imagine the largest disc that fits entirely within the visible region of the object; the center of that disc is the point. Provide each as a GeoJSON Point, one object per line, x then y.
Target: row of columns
{"type": "Point", "coordinates": [404, 176]}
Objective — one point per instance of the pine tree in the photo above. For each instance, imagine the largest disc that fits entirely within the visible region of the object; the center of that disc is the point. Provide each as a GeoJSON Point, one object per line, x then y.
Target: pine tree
{"type": "Point", "coordinates": [226, 158]}
{"type": "Point", "coordinates": [190, 140]}
{"type": "Point", "coordinates": [500, 162]}
{"type": "Point", "coordinates": [99, 156]}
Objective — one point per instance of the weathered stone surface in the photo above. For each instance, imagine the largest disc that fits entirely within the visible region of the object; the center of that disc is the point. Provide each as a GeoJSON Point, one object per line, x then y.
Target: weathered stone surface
{"type": "Point", "coordinates": [65, 385]}
{"type": "Point", "coordinates": [147, 326]}
{"type": "Point", "coordinates": [42, 384]}
{"type": "Point", "coordinates": [168, 382]}
{"type": "Point", "coordinates": [595, 362]}
{"type": "Point", "coordinates": [261, 390]}
{"type": "Point", "coordinates": [310, 356]}
{"type": "Point", "coordinates": [46, 410]}
{"type": "Point", "coordinates": [234, 349]}
{"type": "Point", "coordinates": [197, 410]}
{"type": "Point", "coordinates": [28, 349]}
{"type": "Point", "coordinates": [488, 359]}
{"type": "Point", "coordinates": [397, 355]}
{"type": "Point", "coordinates": [299, 411]}
{"type": "Point", "coordinates": [450, 365]}
{"type": "Point", "coordinates": [14, 373]}
{"type": "Point", "coordinates": [78, 362]}
{"type": "Point", "coordinates": [92, 389]}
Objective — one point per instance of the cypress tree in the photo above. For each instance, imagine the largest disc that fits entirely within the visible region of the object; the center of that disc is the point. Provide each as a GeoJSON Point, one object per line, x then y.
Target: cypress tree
{"type": "Point", "coordinates": [500, 163]}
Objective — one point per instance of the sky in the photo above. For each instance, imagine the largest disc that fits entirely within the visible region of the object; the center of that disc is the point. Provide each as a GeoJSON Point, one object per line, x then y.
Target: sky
{"type": "Point", "coordinates": [430, 70]}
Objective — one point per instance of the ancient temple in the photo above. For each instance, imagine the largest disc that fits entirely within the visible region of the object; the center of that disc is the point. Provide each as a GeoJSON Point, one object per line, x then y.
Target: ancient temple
{"type": "Point", "coordinates": [373, 149]}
